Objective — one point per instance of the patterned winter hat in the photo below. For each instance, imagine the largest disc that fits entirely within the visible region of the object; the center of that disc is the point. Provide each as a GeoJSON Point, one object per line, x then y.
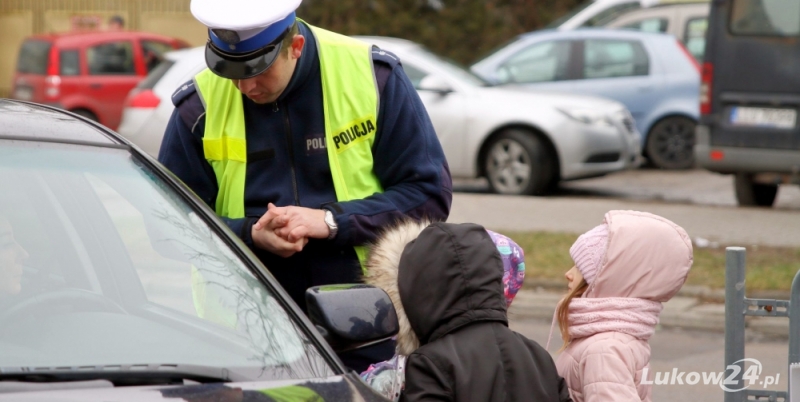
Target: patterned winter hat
{"type": "Point", "coordinates": [513, 264]}
{"type": "Point", "coordinates": [589, 250]}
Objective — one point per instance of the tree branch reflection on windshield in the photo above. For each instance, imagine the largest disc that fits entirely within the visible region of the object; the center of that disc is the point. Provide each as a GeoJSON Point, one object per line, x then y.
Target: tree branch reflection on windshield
{"type": "Point", "coordinates": [226, 293]}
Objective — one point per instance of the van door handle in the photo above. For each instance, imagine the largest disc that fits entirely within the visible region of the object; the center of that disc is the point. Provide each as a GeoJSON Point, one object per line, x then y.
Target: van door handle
{"type": "Point", "coordinates": [95, 86]}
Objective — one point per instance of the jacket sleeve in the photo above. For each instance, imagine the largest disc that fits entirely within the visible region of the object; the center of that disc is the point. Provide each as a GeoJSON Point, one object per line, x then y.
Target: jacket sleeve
{"type": "Point", "coordinates": [563, 390]}
{"type": "Point", "coordinates": [409, 163]}
{"type": "Point", "coordinates": [424, 381]}
{"type": "Point", "coordinates": [181, 153]}
{"type": "Point", "coordinates": [608, 374]}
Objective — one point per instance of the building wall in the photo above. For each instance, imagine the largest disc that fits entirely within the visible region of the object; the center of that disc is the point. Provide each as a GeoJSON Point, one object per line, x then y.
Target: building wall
{"type": "Point", "coordinates": [21, 18]}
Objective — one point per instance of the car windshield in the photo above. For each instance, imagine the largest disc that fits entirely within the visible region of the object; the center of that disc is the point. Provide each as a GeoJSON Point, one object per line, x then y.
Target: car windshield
{"type": "Point", "coordinates": [573, 12]}
{"type": "Point", "coordinates": [604, 17]}
{"type": "Point", "coordinates": [103, 264]}
{"type": "Point", "coordinates": [450, 67]}
{"type": "Point", "coordinates": [497, 48]}
{"type": "Point", "coordinates": [765, 17]}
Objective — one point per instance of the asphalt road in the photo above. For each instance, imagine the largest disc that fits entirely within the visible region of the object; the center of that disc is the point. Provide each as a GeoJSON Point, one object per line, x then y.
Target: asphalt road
{"type": "Point", "coordinates": [702, 202]}
{"type": "Point", "coordinates": [694, 187]}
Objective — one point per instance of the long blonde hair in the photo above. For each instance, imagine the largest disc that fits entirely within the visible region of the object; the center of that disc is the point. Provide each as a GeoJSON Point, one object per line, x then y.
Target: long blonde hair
{"type": "Point", "coordinates": [562, 312]}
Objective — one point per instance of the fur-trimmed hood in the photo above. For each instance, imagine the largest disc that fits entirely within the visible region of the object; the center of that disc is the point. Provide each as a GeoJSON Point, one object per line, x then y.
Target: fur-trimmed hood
{"type": "Point", "coordinates": [440, 277]}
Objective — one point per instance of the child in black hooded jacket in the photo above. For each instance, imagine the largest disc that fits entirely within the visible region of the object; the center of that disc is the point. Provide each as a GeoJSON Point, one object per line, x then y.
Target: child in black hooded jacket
{"type": "Point", "coordinates": [446, 282]}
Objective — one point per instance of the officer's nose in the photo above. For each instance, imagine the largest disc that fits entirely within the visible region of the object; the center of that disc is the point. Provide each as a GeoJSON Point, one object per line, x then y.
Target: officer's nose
{"type": "Point", "coordinates": [246, 85]}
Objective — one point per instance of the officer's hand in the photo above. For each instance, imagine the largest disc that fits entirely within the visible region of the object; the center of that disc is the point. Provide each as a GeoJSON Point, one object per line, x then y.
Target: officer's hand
{"type": "Point", "coordinates": [303, 223]}
{"type": "Point", "coordinates": [267, 239]}
{"type": "Point", "coordinates": [274, 218]}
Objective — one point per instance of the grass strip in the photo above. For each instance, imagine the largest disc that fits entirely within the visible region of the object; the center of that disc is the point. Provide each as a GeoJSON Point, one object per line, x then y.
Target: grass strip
{"type": "Point", "coordinates": [768, 268]}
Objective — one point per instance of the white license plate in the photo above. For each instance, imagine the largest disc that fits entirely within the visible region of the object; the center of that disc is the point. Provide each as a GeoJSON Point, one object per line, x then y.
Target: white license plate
{"type": "Point", "coordinates": [23, 94]}
{"type": "Point", "coordinates": [763, 117]}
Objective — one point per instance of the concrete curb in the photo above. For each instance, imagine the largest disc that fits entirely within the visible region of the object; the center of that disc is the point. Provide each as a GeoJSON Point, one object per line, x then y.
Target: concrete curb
{"type": "Point", "coordinates": [682, 311]}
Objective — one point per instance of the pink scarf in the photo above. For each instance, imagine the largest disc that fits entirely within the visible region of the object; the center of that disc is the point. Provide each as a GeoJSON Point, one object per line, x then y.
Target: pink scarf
{"type": "Point", "coordinates": [632, 316]}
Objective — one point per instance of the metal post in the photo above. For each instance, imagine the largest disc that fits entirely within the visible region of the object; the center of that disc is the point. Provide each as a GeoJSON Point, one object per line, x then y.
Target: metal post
{"type": "Point", "coordinates": [734, 315]}
{"type": "Point", "coordinates": [794, 326]}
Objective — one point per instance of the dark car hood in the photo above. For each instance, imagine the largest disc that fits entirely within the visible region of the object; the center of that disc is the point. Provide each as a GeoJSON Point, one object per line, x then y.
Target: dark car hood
{"type": "Point", "coordinates": [331, 389]}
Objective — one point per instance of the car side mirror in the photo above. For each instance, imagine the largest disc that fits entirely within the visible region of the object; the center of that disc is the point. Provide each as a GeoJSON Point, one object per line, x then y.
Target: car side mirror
{"type": "Point", "coordinates": [435, 83]}
{"type": "Point", "coordinates": [351, 316]}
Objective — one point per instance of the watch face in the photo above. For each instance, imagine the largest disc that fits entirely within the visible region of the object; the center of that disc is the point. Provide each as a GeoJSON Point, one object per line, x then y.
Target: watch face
{"type": "Point", "coordinates": [331, 224]}
{"type": "Point", "coordinates": [329, 220]}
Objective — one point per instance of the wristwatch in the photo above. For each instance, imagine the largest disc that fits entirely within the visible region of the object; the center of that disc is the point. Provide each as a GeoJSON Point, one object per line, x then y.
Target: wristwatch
{"type": "Point", "coordinates": [331, 224]}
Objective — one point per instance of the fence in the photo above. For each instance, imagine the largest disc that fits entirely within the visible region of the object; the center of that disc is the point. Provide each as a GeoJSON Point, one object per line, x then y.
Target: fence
{"type": "Point", "coordinates": [737, 306]}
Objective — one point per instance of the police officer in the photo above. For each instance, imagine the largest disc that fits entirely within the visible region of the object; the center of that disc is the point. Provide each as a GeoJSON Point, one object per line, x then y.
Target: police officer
{"type": "Point", "coordinates": [306, 142]}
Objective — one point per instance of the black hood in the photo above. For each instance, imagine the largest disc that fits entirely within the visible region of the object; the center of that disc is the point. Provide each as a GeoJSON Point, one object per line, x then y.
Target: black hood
{"type": "Point", "coordinates": [449, 277]}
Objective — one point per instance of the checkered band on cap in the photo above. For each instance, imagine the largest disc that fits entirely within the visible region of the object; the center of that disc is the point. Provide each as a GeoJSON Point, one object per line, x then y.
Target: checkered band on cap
{"type": "Point", "coordinates": [589, 250]}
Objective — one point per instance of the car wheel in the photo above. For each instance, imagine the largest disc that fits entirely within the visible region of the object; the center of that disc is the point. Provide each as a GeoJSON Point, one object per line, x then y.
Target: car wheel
{"type": "Point", "coordinates": [670, 143]}
{"type": "Point", "coordinates": [85, 113]}
{"type": "Point", "coordinates": [749, 193]}
{"type": "Point", "coordinates": [518, 163]}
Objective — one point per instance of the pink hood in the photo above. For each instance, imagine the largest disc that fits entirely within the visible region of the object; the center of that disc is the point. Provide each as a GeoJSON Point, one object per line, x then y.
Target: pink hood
{"type": "Point", "coordinates": [648, 257]}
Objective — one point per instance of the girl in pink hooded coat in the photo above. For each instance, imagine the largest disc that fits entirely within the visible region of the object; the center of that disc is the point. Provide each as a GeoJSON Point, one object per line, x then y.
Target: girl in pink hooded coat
{"type": "Point", "coordinates": [624, 270]}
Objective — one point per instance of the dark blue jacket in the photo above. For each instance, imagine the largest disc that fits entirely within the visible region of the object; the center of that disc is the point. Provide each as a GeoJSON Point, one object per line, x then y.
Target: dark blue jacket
{"type": "Point", "coordinates": [287, 164]}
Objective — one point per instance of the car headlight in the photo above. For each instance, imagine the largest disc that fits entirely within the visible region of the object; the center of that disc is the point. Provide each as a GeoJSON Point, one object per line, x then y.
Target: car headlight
{"type": "Point", "coordinates": [587, 116]}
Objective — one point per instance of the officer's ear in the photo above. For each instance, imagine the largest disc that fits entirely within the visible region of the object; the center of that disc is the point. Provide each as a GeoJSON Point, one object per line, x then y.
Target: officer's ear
{"type": "Point", "coordinates": [296, 50]}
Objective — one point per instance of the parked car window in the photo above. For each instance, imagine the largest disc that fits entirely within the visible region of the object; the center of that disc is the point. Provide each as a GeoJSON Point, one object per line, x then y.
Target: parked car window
{"type": "Point", "coordinates": [611, 13]}
{"type": "Point", "coordinates": [542, 62]}
{"type": "Point", "coordinates": [614, 58]}
{"type": "Point", "coordinates": [154, 76]}
{"type": "Point", "coordinates": [649, 25]}
{"type": "Point", "coordinates": [114, 257]}
{"type": "Point", "coordinates": [414, 74]}
{"type": "Point", "coordinates": [695, 37]}
{"type": "Point", "coordinates": [114, 58]}
{"type": "Point", "coordinates": [69, 62]}
{"type": "Point", "coordinates": [33, 57]}
{"type": "Point", "coordinates": [765, 17]}
{"type": "Point", "coordinates": [153, 53]}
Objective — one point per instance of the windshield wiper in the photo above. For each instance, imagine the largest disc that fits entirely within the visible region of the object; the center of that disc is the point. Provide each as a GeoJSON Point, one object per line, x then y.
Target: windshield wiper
{"type": "Point", "coordinates": [122, 375]}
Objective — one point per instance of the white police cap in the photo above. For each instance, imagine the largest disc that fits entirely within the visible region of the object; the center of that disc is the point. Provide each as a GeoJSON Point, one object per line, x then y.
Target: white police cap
{"type": "Point", "coordinates": [244, 35]}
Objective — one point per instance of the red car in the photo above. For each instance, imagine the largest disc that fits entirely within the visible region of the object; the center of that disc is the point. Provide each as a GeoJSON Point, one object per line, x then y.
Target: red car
{"type": "Point", "coordinates": [88, 73]}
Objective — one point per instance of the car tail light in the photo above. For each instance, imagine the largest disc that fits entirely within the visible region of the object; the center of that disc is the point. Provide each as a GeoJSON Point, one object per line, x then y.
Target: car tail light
{"type": "Point", "coordinates": [716, 155]}
{"type": "Point", "coordinates": [705, 88]}
{"type": "Point", "coordinates": [142, 98]}
{"type": "Point", "coordinates": [52, 86]}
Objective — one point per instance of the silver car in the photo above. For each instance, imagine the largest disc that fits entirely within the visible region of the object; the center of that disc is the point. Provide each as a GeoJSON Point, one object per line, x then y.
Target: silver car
{"type": "Point", "coordinates": [149, 105]}
{"type": "Point", "coordinates": [523, 142]}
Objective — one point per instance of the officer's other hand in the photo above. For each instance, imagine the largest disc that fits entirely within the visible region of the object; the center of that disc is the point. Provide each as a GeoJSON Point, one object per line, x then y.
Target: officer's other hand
{"type": "Point", "coordinates": [274, 218]}
{"type": "Point", "coordinates": [303, 223]}
{"type": "Point", "coordinates": [267, 239]}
